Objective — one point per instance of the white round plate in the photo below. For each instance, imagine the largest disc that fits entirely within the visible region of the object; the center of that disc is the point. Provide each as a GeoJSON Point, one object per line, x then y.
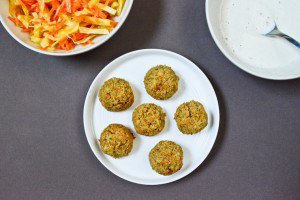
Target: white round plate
{"type": "Point", "coordinates": [213, 16]}
{"type": "Point", "coordinates": [23, 38]}
{"type": "Point", "coordinates": [193, 85]}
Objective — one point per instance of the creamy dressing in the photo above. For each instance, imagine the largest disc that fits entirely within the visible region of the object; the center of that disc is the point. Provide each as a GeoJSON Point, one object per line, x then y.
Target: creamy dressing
{"type": "Point", "coordinates": [244, 21]}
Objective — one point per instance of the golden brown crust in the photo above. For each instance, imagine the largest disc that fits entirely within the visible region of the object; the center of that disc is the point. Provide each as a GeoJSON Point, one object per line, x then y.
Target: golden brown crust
{"type": "Point", "coordinates": [116, 140]}
{"type": "Point", "coordinates": [191, 117]}
{"type": "Point", "coordinates": [161, 82]}
{"type": "Point", "coordinates": [116, 95]}
{"type": "Point", "coordinates": [166, 157]}
{"type": "Point", "coordinates": [148, 119]}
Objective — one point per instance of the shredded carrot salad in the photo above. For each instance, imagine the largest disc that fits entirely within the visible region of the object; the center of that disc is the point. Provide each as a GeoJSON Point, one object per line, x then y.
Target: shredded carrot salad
{"type": "Point", "coordinates": [63, 24]}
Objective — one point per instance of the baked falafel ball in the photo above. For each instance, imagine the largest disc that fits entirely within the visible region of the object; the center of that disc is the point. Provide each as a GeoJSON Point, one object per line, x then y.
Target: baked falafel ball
{"type": "Point", "coordinates": [148, 119]}
{"type": "Point", "coordinates": [116, 95]}
{"type": "Point", "coordinates": [116, 140]}
{"type": "Point", "coordinates": [161, 82]}
{"type": "Point", "coordinates": [191, 117]}
{"type": "Point", "coordinates": [166, 157]}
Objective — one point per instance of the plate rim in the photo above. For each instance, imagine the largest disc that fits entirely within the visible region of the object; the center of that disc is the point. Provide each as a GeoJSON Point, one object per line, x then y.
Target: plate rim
{"type": "Point", "coordinates": [86, 113]}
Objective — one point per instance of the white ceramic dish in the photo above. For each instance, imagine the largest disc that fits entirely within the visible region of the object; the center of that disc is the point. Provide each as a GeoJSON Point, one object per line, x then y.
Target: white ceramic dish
{"type": "Point", "coordinates": [193, 85]}
{"type": "Point", "coordinates": [213, 15]}
{"type": "Point", "coordinates": [23, 38]}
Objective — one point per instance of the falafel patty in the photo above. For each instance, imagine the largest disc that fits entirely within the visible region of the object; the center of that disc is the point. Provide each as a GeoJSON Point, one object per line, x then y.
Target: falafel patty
{"type": "Point", "coordinates": [161, 82]}
{"type": "Point", "coordinates": [148, 119]}
{"type": "Point", "coordinates": [116, 140]}
{"type": "Point", "coordinates": [191, 117]}
{"type": "Point", "coordinates": [116, 95]}
{"type": "Point", "coordinates": [166, 157]}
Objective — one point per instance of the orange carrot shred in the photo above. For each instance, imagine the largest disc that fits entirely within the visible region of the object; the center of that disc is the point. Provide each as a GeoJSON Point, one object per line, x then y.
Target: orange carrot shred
{"type": "Point", "coordinates": [107, 2]}
{"type": "Point", "coordinates": [57, 20]}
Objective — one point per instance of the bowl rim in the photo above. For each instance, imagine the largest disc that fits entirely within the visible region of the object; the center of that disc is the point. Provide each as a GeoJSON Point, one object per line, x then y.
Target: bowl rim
{"type": "Point", "coordinates": [71, 53]}
{"type": "Point", "coordinates": [230, 58]}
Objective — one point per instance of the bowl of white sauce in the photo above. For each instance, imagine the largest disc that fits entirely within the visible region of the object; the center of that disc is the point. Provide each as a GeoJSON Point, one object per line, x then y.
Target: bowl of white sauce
{"type": "Point", "coordinates": [237, 27]}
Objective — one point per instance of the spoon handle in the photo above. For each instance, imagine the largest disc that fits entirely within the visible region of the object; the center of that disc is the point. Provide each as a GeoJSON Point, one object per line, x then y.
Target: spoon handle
{"type": "Point", "coordinates": [277, 33]}
{"type": "Point", "coordinates": [291, 40]}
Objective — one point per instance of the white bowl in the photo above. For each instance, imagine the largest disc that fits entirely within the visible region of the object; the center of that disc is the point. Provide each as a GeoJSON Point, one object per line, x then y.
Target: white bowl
{"type": "Point", "coordinates": [23, 38]}
{"type": "Point", "coordinates": [213, 8]}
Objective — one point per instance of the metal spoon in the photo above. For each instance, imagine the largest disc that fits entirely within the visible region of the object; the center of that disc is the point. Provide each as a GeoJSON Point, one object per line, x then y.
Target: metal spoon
{"type": "Point", "coordinates": [277, 33]}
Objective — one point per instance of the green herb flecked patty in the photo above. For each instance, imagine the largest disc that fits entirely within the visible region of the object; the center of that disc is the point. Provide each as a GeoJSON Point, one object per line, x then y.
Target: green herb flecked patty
{"type": "Point", "coordinates": [166, 157]}
{"type": "Point", "coordinates": [161, 82]}
{"type": "Point", "coordinates": [116, 95]}
{"type": "Point", "coordinates": [116, 140]}
{"type": "Point", "coordinates": [148, 119]}
{"type": "Point", "coordinates": [191, 117]}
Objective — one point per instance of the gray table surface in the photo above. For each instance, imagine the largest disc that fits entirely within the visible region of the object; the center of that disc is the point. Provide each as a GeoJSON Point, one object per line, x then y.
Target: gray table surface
{"type": "Point", "coordinates": [44, 152]}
